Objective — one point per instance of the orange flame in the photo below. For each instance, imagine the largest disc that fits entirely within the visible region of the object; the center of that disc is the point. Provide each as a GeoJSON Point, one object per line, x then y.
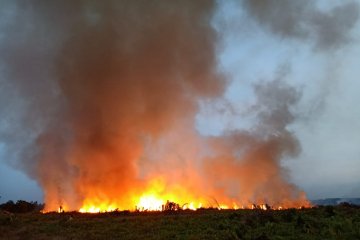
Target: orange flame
{"type": "Point", "coordinates": [156, 196]}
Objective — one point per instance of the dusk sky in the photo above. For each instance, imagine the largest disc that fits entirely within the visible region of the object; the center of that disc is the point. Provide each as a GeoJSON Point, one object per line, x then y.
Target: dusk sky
{"type": "Point", "coordinates": [310, 48]}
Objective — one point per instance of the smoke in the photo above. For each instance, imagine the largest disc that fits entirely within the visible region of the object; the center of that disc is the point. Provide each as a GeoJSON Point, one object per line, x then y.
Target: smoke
{"type": "Point", "coordinates": [100, 98]}
{"type": "Point", "coordinates": [97, 78]}
{"type": "Point", "coordinates": [320, 41]}
{"type": "Point", "coordinates": [247, 163]}
{"type": "Point", "coordinates": [304, 20]}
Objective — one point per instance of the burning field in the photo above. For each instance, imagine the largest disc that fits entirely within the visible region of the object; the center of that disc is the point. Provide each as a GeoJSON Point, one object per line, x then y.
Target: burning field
{"type": "Point", "coordinates": [107, 96]}
{"type": "Point", "coordinates": [112, 93]}
{"type": "Point", "coordinates": [128, 117]}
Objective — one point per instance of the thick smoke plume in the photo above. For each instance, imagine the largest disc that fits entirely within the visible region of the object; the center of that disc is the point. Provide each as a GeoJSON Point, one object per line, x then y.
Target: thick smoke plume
{"type": "Point", "coordinates": [304, 20]}
{"type": "Point", "coordinates": [246, 163]}
{"type": "Point", "coordinates": [104, 96]}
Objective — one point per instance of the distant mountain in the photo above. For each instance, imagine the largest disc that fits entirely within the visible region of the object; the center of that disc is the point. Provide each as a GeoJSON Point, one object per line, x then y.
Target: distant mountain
{"type": "Point", "coordinates": [336, 201]}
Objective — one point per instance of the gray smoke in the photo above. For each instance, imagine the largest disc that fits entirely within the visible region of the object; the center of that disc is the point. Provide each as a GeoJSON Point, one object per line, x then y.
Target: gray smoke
{"type": "Point", "coordinates": [87, 81]}
{"type": "Point", "coordinates": [247, 162]}
{"type": "Point", "coordinates": [91, 92]}
{"type": "Point", "coordinates": [304, 20]}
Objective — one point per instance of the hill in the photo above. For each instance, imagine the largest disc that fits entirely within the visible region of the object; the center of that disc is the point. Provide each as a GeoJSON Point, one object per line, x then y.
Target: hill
{"type": "Point", "coordinates": [336, 201]}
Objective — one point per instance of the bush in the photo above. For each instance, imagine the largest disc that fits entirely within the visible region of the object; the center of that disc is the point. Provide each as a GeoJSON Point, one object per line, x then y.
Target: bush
{"type": "Point", "coordinates": [21, 206]}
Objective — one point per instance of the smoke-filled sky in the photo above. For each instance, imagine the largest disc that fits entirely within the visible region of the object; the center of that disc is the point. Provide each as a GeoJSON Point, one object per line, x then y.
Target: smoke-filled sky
{"type": "Point", "coordinates": [248, 100]}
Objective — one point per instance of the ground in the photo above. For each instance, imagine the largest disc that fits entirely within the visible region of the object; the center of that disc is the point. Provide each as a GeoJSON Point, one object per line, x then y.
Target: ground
{"type": "Point", "coordinates": [340, 222]}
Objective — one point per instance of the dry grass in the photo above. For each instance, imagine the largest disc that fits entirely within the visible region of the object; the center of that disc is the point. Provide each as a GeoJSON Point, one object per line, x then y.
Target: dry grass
{"type": "Point", "coordinates": [318, 223]}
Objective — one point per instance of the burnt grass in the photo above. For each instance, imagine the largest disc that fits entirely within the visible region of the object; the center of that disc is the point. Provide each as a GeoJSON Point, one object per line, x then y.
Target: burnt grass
{"type": "Point", "coordinates": [339, 222]}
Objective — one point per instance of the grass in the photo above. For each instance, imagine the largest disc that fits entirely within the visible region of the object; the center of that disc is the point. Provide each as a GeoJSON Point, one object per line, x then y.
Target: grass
{"type": "Point", "coordinates": [342, 222]}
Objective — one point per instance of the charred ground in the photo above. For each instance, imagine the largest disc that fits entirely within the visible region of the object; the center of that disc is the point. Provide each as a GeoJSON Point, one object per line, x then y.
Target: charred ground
{"type": "Point", "coordinates": [323, 222]}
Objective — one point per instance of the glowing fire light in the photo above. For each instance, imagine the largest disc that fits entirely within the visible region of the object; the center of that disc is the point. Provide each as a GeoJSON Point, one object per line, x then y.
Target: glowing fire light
{"type": "Point", "coordinates": [222, 206]}
{"type": "Point", "coordinates": [160, 197]}
{"type": "Point", "coordinates": [191, 206]}
{"type": "Point", "coordinates": [150, 203]}
{"type": "Point", "coordinates": [97, 209]}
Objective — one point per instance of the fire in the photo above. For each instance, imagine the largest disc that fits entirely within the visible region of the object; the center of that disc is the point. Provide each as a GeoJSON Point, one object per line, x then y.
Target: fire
{"type": "Point", "coordinates": [96, 209]}
{"type": "Point", "coordinates": [191, 206]}
{"type": "Point", "coordinates": [223, 206]}
{"type": "Point", "coordinates": [159, 196]}
{"type": "Point", "coordinates": [150, 203]}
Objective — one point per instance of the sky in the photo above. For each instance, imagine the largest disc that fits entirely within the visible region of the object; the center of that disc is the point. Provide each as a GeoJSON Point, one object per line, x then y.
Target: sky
{"type": "Point", "coordinates": [313, 46]}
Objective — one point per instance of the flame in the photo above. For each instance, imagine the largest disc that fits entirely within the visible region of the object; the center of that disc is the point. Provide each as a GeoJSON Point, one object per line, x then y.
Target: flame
{"type": "Point", "coordinates": [158, 196]}
{"type": "Point", "coordinates": [223, 206]}
{"type": "Point", "coordinates": [150, 203]}
{"type": "Point", "coordinates": [155, 198]}
{"type": "Point", "coordinates": [97, 209]}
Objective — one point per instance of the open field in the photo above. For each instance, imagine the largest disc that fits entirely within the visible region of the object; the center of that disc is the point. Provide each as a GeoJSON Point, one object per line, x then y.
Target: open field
{"type": "Point", "coordinates": [340, 222]}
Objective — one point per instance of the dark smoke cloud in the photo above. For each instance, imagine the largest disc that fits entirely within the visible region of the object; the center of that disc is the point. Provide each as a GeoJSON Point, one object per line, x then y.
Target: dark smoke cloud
{"type": "Point", "coordinates": [97, 78]}
{"type": "Point", "coordinates": [92, 84]}
{"type": "Point", "coordinates": [304, 20]}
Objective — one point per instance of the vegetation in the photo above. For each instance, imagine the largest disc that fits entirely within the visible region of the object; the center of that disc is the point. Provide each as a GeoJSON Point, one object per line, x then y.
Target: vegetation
{"type": "Point", "coordinates": [21, 207]}
{"type": "Point", "coordinates": [329, 222]}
